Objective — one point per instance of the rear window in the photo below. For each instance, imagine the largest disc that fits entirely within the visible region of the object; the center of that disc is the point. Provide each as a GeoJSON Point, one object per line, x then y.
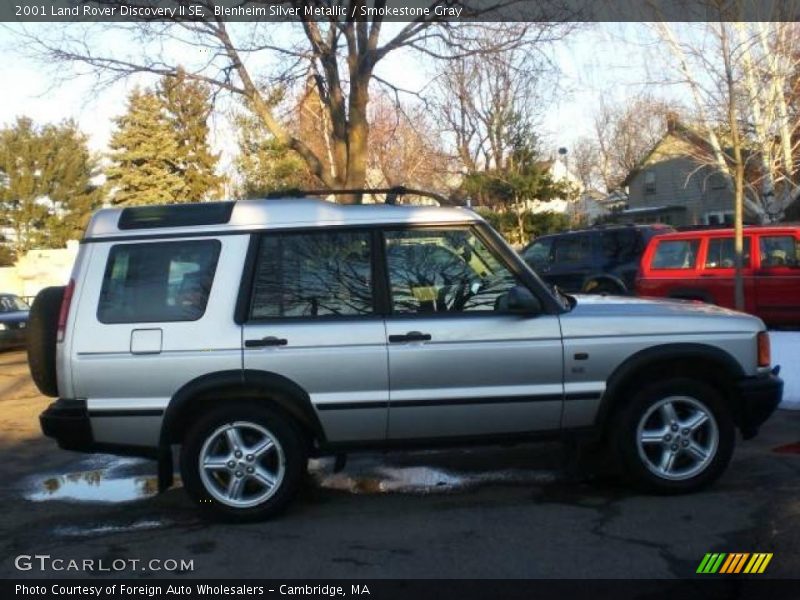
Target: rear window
{"type": "Point", "coordinates": [675, 254]}
{"type": "Point", "coordinates": [780, 251]}
{"type": "Point", "coordinates": [314, 274]}
{"type": "Point", "coordinates": [722, 255]}
{"type": "Point", "coordinates": [159, 282]}
{"type": "Point", "coordinates": [621, 246]}
{"type": "Point", "coordinates": [572, 249]}
{"type": "Point", "coordinates": [12, 304]}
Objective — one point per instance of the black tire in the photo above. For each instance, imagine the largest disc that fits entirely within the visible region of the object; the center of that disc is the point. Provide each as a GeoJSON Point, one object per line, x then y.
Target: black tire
{"type": "Point", "coordinates": [604, 287]}
{"type": "Point", "coordinates": [42, 331]}
{"type": "Point", "coordinates": [288, 439]}
{"type": "Point", "coordinates": [625, 440]}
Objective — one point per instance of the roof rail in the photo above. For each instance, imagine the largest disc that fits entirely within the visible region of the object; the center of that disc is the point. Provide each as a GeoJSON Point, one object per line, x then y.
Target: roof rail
{"type": "Point", "coordinates": [392, 193]}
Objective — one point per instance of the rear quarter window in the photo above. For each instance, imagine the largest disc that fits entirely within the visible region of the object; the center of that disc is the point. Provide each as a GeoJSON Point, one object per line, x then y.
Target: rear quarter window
{"type": "Point", "coordinates": [158, 282]}
{"type": "Point", "coordinates": [675, 254]}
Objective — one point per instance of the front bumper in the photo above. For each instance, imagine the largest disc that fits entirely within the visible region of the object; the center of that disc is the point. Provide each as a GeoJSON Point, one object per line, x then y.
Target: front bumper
{"type": "Point", "coordinates": [759, 397]}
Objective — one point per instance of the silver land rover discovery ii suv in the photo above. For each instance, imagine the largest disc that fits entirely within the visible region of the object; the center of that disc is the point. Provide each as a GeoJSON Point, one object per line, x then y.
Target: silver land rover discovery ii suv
{"type": "Point", "coordinates": [257, 333]}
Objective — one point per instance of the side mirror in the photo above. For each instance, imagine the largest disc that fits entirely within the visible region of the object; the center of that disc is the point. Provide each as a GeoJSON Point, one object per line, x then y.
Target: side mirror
{"type": "Point", "coordinates": [520, 300]}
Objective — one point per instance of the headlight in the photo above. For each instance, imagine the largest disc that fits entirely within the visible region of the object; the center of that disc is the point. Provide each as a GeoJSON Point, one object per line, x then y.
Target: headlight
{"type": "Point", "coordinates": [3, 327]}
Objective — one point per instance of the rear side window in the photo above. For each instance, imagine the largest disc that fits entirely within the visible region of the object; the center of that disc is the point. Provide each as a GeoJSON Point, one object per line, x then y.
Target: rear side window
{"type": "Point", "coordinates": [675, 254]}
{"type": "Point", "coordinates": [159, 282]}
{"type": "Point", "coordinates": [780, 251]}
{"type": "Point", "coordinates": [315, 274]}
{"type": "Point", "coordinates": [620, 246]}
{"type": "Point", "coordinates": [572, 249]}
{"type": "Point", "coordinates": [721, 253]}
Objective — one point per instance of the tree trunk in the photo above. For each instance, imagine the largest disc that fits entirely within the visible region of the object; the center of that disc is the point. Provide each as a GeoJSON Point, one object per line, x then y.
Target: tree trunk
{"type": "Point", "coordinates": [736, 139]}
{"type": "Point", "coordinates": [357, 135]}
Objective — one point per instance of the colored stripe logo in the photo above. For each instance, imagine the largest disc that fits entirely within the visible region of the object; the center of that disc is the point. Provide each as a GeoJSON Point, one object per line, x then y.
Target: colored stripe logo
{"type": "Point", "coordinates": [734, 563]}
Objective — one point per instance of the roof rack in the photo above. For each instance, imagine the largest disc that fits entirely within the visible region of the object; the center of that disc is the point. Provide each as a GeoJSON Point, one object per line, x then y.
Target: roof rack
{"type": "Point", "coordinates": [392, 193]}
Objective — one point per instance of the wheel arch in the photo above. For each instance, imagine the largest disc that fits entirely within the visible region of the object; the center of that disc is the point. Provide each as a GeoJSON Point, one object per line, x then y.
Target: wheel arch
{"type": "Point", "coordinates": [262, 386]}
{"type": "Point", "coordinates": [604, 278]}
{"type": "Point", "coordinates": [707, 363]}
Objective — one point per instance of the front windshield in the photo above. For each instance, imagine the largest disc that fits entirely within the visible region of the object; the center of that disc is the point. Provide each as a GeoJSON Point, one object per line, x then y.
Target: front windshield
{"type": "Point", "coordinates": [12, 304]}
{"type": "Point", "coordinates": [538, 253]}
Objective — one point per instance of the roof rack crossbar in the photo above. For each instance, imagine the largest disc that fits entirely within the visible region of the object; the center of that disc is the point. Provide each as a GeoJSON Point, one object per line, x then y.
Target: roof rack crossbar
{"type": "Point", "coordinates": [392, 193]}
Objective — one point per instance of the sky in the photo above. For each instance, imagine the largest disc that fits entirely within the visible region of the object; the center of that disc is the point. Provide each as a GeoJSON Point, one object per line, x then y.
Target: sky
{"type": "Point", "coordinates": [598, 60]}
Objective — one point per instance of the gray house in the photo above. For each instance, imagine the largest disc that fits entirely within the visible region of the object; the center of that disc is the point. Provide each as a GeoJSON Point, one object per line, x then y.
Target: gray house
{"type": "Point", "coordinates": [671, 186]}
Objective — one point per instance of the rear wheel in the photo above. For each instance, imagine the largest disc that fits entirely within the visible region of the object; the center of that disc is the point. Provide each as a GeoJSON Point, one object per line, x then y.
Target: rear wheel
{"type": "Point", "coordinates": [675, 436]}
{"type": "Point", "coordinates": [604, 287]}
{"type": "Point", "coordinates": [243, 462]}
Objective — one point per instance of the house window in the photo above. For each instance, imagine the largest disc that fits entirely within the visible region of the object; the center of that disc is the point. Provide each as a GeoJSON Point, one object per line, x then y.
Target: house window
{"type": "Point", "coordinates": [650, 182]}
{"type": "Point", "coordinates": [719, 217]}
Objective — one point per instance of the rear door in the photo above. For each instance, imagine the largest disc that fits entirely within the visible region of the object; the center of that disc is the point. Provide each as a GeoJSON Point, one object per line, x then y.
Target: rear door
{"type": "Point", "coordinates": [458, 365]}
{"type": "Point", "coordinates": [778, 277]}
{"type": "Point", "coordinates": [311, 317]}
{"type": "Point", "coordinates": [717, 274]}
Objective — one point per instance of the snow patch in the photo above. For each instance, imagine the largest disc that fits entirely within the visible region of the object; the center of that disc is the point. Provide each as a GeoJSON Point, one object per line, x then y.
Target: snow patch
{"type": "Point", "coordinates": [379, 479]}
{"type": "Point", "coordinates": [786, 353]}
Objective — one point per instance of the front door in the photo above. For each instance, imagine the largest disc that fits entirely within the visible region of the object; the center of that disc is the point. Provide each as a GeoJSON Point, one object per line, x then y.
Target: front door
{"type": "Point", "coordinates": [312, 320]}
{"type": "Point", "coordinates": [718, 272]}
{"type": "Point", "coordinates": [459, 366]}
{"type": "Point", "coordinates": [572, 261]}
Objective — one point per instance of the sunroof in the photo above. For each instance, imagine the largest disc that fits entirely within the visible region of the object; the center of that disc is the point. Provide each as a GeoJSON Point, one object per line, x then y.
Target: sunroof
{"type": "Point", "coordinates": [176, 215]}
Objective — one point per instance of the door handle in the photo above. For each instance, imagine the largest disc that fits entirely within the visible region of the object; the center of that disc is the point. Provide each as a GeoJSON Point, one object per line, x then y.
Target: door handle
{"type": "Point", "coordinates": [270, 340]}
{"type": "Point", "coordinates": [411, 336]}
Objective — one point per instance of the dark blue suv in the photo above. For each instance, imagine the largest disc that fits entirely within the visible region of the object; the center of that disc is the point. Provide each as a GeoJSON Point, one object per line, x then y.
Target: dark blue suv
{"type": "Point", "coordinates": [601, 260]}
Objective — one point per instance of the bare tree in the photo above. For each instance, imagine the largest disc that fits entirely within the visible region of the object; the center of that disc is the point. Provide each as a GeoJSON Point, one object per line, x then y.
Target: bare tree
{"type": "Point", "coordinates": [586, 163]}
{"type": "Point", "coordinates": [405, 147]}
{"type": "Point", "coordinates": [738, 76]}
{"type": "Point", "coordinates": [483, 99]}
{"type": "Point", "coordinates": [339, 55]}
{"type": "Point", "coordinates": [624, 134]}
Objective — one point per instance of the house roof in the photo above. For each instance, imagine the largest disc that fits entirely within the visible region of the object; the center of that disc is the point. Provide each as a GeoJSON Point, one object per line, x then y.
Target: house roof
{"type": "Point", "coordinates": [675, 129]}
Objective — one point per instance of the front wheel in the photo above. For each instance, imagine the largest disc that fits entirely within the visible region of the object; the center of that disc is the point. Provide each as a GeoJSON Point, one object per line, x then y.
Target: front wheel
{"type": "Point", "coordinates": [242, 462]}
{"type": "Point", "coordinates": [675, 436]}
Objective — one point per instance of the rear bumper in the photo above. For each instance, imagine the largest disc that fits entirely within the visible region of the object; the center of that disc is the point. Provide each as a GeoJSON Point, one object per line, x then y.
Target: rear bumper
{"type": "Point", "coordinates": [67, 422]}
{"type": "Point", "coordinates": [759, 397]}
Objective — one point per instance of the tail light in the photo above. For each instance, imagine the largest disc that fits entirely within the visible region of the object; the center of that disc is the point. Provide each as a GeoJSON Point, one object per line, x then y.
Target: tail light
{"type": "Point", "coordinates": [764, 358]}
{"type": "Point", "coordinates": [64, 312]}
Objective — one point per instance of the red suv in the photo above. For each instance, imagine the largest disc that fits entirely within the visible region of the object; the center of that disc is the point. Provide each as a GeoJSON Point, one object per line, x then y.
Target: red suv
{"type": "Point", "coordinates": [699, 265]}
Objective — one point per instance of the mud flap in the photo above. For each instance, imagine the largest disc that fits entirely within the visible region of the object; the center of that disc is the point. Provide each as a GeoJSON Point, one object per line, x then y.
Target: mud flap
{"type": "Point", "coordinates": [166, 474]}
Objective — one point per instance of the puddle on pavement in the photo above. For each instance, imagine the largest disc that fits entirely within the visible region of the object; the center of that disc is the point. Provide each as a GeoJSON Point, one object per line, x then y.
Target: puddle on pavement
{"type": "Point", "coordinates": [110, 479]}
{"type": "Point", "coordinates": [375, 478]}
{"type": "Point", "coordinates": [101, 478]}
